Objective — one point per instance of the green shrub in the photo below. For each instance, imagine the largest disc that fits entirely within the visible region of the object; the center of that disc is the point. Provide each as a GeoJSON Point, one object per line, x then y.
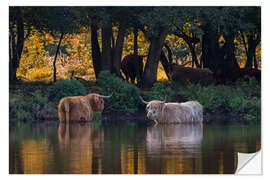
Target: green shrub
{"type": "Point", "coordinates": [159, 91]}
{"type": "Point", "coordinates": [33, 108]}
{"type": "Point", "coordinates": [21, 110]}
{"type": "Point", "coordinates": [125, 95]}
{"type": "Point", "coordinates": [42, 108]}
{"type": "Point", "coordinates": [39, 98]}
{"type": "Point", "coordinates": [208, 96]}
{"type": "Point", "coordinates": [250, 86]}
{"type": "Point", "coordinates": [250, 118]}
{"type": "Point", "coordinates": [226, 98]}
{"type": "Point", "coordinates": [64, 88]}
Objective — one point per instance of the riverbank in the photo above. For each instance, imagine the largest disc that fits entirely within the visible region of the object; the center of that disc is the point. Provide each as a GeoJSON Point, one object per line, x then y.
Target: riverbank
{"type": "Point", "coordinates": [238, 102]}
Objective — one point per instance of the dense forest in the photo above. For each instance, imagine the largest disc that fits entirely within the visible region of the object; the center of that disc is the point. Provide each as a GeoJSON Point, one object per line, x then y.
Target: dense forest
{"type": "Point", "coordinates": [86, 45]}
{"type": "Point", "coordinates": [52, 42]}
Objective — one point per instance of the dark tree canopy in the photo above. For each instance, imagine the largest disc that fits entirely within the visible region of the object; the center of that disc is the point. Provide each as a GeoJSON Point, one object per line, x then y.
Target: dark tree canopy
{"type": "Point", "coordinates": [197, 26]}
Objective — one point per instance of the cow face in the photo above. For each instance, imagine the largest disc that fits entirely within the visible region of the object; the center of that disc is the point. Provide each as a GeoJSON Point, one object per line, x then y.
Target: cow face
{"type": "Point", "coordinates": [154, 109]}
{"type": "Point", "coordinates": [97, 101]}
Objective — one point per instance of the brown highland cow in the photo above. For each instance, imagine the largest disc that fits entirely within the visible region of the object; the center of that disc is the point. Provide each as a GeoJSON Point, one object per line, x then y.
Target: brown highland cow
{"type": "Point", "coordinates": [80, 108]}
{"type": "Point", "coordinates": [132, 67]}
{"type": "Point", "coordinates": [183, 74]}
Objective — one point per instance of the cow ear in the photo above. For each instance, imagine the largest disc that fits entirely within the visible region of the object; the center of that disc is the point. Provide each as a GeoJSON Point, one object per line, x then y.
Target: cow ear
{"type": "Point", "coordinates": [166, 99]}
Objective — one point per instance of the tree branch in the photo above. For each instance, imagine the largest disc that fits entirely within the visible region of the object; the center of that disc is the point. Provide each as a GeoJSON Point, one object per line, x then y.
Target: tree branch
{"type": "Point", "coordinates": [244, 41]}
{"type": "Point", "coordinates": [187, 38]}
{"type": "Point", "coordinates": [169, 53]}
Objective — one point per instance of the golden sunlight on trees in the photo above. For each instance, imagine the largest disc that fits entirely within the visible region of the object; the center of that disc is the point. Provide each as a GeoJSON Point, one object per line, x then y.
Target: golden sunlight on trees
{"type": "Point", "coordinates": [35, 62]}
{"type": "Point", "coordinates": [47, 44]}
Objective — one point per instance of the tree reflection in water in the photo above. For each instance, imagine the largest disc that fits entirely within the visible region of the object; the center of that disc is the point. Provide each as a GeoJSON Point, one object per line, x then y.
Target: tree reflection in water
{"type": "Point", "coordinates": [129, 148]}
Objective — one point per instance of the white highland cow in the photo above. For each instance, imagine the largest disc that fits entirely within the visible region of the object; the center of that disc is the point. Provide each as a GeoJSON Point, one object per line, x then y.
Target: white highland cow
{"type": "Point", "coordinates": [162, 112]}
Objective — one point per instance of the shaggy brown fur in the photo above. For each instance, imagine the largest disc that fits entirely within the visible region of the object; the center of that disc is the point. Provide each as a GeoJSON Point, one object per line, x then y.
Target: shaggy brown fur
{"type": "Point", "coordinates": [184, 74]}
{"type": "Point", "coordinates": [132, 67]}
{"type": "Point", "coordinates": [80, 108]}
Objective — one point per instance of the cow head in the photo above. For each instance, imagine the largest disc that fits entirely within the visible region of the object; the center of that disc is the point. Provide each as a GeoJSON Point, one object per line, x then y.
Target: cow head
{"type": "Point", "coordinates": [97, 102]}
{"type": "Point", "coordinates": [154, 108]}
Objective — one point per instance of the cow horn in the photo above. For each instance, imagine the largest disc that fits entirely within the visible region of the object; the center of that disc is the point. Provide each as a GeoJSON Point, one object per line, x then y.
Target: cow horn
{"type": "Point", "coordinates": [166, 99]}
{"type": "Point", "coordinates": [105, 96]}
{"type": "Point", "coordinates": [145, 102]}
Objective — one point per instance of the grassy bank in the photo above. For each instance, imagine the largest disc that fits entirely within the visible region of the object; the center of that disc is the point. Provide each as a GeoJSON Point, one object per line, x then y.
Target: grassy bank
{"type": "Point", "coordinates": [235, 102]}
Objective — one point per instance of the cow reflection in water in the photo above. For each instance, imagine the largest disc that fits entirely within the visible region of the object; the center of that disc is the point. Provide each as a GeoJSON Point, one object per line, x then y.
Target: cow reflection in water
{"type": "Point", "coordinates": [172, 148]}
{"type": "Point", "coordinates": [83, 143]}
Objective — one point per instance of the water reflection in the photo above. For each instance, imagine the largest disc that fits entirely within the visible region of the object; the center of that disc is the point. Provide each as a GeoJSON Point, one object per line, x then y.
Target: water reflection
{"type": "Point", "coordinates": [221, 144]}
{"type": "Point", "coordinates": [30, 154]}
{"type": "Point", "coordinates": [129, 148]}
{"type": "Point", "coordinates": [174, 137]}
{"type": "Point", "coordinates": [171, 148]}
{"type": "Point", "coordinates": [78, 145]}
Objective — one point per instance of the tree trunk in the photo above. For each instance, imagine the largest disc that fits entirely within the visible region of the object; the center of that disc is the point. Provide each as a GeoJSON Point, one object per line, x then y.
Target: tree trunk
{"type": "Point", "coordinates": [17, 42]}
{"type": "Point", "coordinates": [13, 61]}
{"type": "Point", "coordinates": [96, 55]}
{"type": "Point", "coordinates": [150, 70]}
{"type": "Point", "coordinates": [194, 57]}
{"type": "Point", "coordinates": [165, 63]}
{"type": "Point", "coordinates": [55, 57]}
{"type": "Point", "coordinates": [113, 41]}
{"type": "Point", "coordinates": [252, 44]}
{"type": "Point", "coordinates": [191, 44]}
{"type": "Point", "coordinates": [138, 69]}
{"type": "Point", "coordinates": [135, 30]}
{"type": "Point", "coordinates": [255, 60]}
{"type": "Point", "coordinates": [191, 41]}
{"type": "Point", "coordinates": [10, 42]}
{"type": "Point", "coordinates": [244, 41]}
{"type": "Point", "coordinates": [169, 53]}
{"type": "Point", "coordinates": [229, 49]}
{"type": "Point", "coordinates": [250, 56]}
{"type": "Point", "coordinates": [106, 58]}
{"type": "Point", "coordinates": [210, 48]}
{"type": "Point", "coordinates": [117, 52]}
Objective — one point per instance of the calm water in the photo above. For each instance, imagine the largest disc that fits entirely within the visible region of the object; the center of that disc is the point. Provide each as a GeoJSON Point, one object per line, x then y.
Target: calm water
{"type": "Point", "coordinates": [129, 148]}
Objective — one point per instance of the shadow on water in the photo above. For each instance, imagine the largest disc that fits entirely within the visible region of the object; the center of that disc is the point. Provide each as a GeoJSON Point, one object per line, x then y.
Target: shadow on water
{"type": "Point", "coordinates": [129, 148]}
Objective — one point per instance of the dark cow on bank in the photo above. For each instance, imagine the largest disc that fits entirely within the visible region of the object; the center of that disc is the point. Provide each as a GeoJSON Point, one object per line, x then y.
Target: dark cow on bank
{"type": "Point", "coordinates": [132, 67]}
{"type": "Point", "coordinates": [237, 73]}
{"type": "Point", "coordinates": [184, 75]}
